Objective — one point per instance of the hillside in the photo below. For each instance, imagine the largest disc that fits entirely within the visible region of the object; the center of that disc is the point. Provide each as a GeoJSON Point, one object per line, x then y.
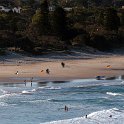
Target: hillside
{"type": "Point", "coordinates": [44, 26]}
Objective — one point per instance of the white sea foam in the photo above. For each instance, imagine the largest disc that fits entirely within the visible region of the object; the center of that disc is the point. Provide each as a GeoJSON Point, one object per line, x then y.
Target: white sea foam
{"type": "Point", "coordinates": [26, 92]}
{"type": "Point", "coordinates": [34, 90]}
{"type": "Point", "coordinates": [3, 91]}
{"type": "Point", "coordinates": [87, 85]}
{"type": "Point", "coordinates": [35, 101]}
{"type": "Point", "coordinates": [99, 117]}
{"type": "Point", "coordinates": [50, 88]}
{"type": "Point", "coordinates": [54, 88]}
{"type": "Point", "coordinates": [99, 83]}
{"type": "Point", "coordinates": [7, 95]}
{"type": "Point", "coordinates": [113, 94]}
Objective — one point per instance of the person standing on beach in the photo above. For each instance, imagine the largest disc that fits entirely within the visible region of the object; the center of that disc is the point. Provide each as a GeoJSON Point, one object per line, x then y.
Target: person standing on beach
{"type": "Point", "coordinates": [108, 66]}
{"type": "Point", "coordinates": [47, 71]}
{"type": "Point", "coordinates": [31, 83]}
{"type": "Point", "coordinates": [63, 64]}
{"type": "Point", "coordinates": [17, 73]}
{"type": "Point", "coordinates": [25, 82]}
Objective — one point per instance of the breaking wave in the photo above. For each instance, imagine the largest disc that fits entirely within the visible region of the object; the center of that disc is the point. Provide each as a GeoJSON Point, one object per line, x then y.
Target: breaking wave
{"type": "Point", "coordinates": [111, 116]}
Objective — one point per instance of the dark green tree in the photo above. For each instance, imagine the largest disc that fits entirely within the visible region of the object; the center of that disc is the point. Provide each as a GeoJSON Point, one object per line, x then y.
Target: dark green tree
{"type": "Point", "coordinates": [122, 19]}
{"type": "Point", "coordinates": [100, 17]}
{"type": "Point", "coordinates": [111, 20]}
{"type": "Point", "coordinates": [35, 29]}
{"type": "Point", "coordinates": [55, 3]}
{"type": "Point", "coordinates": [2, 22]}
{"type": "Point", "coordinates": [60, 23]}
{"type": "Point", "coordinates": [31, 2]}
{"type": "Point", "coordinates": [44, 8]}
{"type": "Point", "coordinates": [40, 21]}
{"type": "Point", "coordinates": [17, 2]}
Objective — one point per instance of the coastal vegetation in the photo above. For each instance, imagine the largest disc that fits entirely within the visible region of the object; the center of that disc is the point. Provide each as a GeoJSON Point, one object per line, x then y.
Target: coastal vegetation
{"type": "Point", "coordinates": [61, 25]}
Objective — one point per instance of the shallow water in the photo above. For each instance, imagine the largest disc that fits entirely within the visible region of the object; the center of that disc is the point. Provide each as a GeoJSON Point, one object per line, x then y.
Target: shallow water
{"type": "Point", "coordinates": [44, 102]}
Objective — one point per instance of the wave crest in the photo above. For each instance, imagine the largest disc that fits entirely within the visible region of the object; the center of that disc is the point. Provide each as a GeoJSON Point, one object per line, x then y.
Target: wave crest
{"type": "Point", "coordinates": [99, 117]}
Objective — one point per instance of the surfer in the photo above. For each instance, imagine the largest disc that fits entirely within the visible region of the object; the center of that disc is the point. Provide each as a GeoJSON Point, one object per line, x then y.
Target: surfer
{"type": "Point", "coordinates": [110, 116]}
{"type": "Point", "coordinates": [86, 116]}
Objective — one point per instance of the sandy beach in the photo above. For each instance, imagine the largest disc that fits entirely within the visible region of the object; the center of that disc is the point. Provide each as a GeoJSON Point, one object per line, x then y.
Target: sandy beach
{"type": "Point", "coordinates": [74, 68]}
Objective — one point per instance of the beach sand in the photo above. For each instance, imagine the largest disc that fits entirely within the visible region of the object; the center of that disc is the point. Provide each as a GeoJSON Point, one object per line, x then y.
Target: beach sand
{"type": "Point", "coordinates": [74, 69]}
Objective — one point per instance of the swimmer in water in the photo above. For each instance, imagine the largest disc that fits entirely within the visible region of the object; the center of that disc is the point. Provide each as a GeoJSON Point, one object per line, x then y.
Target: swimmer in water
{"type": "Point", "coordinates": [66, 108]}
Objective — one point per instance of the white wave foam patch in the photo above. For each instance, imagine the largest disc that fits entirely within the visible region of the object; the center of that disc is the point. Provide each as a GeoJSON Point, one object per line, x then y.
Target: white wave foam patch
{"type": "Point", "coordinates": [7, 95]}
{"type": "Point", "coordinates": [100, 117]}
{"type": "Point", "coordinates": [113, 94]}
{"type": "Point", "coordinates": [26, 92]}
{"type": "Point", "coordinates": [51, 88]}
{"type": "Point", "coordinates": [54, 88]}
{"type": "Point", "coordinates": [3, 91]}
{"type": "Point", "coordinates": [35, 101]}
{"type": "Point", "coordinates": [34, 90]}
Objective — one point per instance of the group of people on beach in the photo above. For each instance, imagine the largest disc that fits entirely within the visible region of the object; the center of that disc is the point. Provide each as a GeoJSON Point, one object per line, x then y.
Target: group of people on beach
{"type": "Point", "coordinates": [47, 72]}
{"type": "Point", "coordinates": [25, 82]}
{"type": "Point", "coordinates": [62, 64]}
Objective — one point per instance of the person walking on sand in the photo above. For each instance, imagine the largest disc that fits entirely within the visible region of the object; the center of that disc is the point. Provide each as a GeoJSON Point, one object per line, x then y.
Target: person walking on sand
{"type": "Point", "coordinates": [17, 73]}
{"type": "Point", "coordinates": [31, 83]}
{"type": "Point", "coordinates": [25, 82]}
{"type": "Point", "coordinates": [47, 71]}
{"type": "Point", "coordinates": [63, 64]}
{"type": "Point", "coordinates": [108, 66]}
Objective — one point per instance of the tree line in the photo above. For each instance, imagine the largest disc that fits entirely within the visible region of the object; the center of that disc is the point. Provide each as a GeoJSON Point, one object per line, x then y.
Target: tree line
{"type": "Point", "coordinates": [37, 29]}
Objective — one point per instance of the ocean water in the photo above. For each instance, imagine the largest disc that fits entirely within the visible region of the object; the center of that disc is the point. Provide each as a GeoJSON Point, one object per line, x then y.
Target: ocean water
{"type": "Point", "coordinates": [43, 103]}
